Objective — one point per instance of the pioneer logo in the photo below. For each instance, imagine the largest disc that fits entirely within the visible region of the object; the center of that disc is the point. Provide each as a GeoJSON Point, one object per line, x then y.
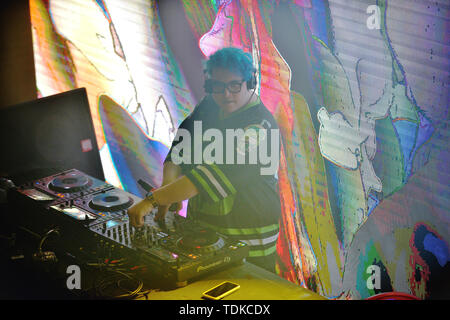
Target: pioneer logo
{"type": "Point", "coordinates": [214, 264]}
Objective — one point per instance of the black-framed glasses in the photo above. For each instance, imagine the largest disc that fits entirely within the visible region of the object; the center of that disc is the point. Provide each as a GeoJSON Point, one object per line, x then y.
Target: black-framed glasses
{"type": "Point", "coordinates": [216, 86]}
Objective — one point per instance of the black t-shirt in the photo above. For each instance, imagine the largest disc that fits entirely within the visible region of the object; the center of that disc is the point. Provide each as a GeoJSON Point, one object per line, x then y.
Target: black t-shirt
{"type": "Point", "coordinates": [236, 179]}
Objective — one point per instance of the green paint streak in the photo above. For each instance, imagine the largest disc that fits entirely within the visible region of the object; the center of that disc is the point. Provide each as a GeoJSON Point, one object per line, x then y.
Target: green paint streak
{"type": "Point", "coordinates": [391, 171]}
{"type": "Point", "coordinates": [368, 258]}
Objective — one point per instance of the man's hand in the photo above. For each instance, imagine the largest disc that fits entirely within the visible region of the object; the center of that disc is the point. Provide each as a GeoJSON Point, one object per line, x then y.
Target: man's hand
{"type": "Point", "coordinates": [162, 210]}
{"type": "Point", "coordinates": [174, 190]}
{"type": "Point", "coordinates": [137, 213]}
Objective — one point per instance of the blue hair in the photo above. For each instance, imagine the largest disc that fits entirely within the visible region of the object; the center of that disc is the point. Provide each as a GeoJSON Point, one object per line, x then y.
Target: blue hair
{"type": "Point", "coordinates": [233, 59]}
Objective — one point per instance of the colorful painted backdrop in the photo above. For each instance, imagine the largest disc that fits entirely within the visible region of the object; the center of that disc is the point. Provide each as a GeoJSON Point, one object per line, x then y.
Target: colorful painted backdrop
{"type": "Point", "coordinates": [359, 89]}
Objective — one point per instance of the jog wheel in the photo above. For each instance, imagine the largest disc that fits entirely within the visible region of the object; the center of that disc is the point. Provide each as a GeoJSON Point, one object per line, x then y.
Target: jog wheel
{"type": "Point", "coordinates": [203, 241]}
{"type": "Point", "coordinates": [110, 201]}
{"type": "Point", "coordinates": [70, 182]}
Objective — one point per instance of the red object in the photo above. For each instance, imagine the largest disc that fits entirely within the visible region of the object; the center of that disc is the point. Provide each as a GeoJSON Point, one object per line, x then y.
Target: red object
{"type": "Point", "coordinates": [393, 296]}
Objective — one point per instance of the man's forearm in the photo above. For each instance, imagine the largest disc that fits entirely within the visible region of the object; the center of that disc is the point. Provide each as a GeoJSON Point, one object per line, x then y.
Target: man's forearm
{"type": "Point", "coordinates": [176, 191]}
{"type": "Point", "coordinates": [171, 172]}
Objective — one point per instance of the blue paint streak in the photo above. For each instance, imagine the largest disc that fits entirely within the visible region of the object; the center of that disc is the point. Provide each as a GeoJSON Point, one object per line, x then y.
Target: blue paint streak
{"type": "Point", "coordinates": [373, 202]}
{"type": "Point", "coordinates": [406, 132]}
{"type": "Point", "coordinates": [320, 20]}
{"type": "Point", "coordinates": [102, 6]}
{"type": "Point", "coordinates": [438, 248]}
{"type": "Point", "coordinates": [131, 167]}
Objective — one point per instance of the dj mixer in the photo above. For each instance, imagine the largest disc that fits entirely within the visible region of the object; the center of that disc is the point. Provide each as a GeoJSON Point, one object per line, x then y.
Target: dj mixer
{"type": "Point", "coordinates": [91, 218]}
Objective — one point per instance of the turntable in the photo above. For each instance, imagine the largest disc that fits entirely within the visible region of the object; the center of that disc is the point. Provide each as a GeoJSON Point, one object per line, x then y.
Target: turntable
{"type": "Point", "coordinates": [203, 241]}
{"type": "Point", "coordinates": [65, 186]}
{"type": "Point", "coordinates": [70, 182]}
{"type": "Point", "coordinates": [107, 204]}
{"type": "Point", "coordinates": [191, 252]}
{"type": "Point", "coordinates": [114, 200]}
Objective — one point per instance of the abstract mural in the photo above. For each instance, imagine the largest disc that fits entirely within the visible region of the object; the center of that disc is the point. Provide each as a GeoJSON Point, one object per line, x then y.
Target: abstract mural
{"type": "Point", "coordinates": [359, 89]}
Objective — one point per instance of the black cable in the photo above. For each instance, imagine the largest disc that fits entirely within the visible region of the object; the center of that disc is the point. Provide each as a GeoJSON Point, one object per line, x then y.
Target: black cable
{"type": "Point", "coordinates": [113, 280]}
{"type": "Point", "coordinates": [41, 243]}
{"type": "Point", "coordinates": [113, 276]}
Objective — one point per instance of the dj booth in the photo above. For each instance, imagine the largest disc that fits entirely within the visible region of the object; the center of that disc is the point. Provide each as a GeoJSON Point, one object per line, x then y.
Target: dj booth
{"type": "Point", "coordinates": [64, 232]}
{"type": "Point", "coordinates": [74, 228]}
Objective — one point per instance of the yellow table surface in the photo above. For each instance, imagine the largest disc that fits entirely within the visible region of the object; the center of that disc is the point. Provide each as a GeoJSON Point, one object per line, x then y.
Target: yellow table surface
{"type": "Point", "coordinates": [256, 284]}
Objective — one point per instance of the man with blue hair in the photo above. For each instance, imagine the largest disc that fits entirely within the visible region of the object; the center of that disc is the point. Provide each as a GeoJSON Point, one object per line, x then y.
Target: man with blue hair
{"type": "Point", "coordinates": [233, 197]}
